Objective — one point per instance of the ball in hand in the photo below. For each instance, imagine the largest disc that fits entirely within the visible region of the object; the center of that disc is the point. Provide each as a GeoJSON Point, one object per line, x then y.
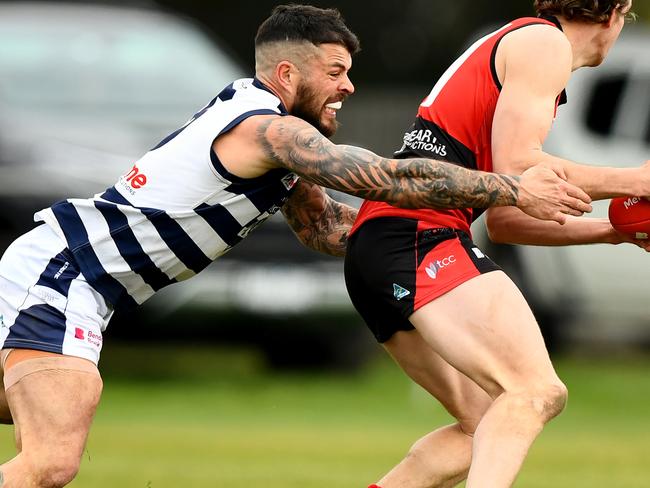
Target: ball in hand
{"type": "Point", "coordinates": [630, 216]}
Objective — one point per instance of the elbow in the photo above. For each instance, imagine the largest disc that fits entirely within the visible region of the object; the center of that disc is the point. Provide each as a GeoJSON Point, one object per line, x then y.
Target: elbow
{"type": "Point", "coordinates": [497, 231]}
{"type": "Point", "coordinates": [496, 235]}
{"type": "Point", "coordinates": [512, 163]}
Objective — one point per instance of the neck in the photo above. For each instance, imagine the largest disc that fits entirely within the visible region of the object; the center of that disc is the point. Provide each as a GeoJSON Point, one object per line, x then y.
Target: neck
{"type": "Point", "coordinates": [275, 88]}
{"type": "Point", "coordinates": [581, 35]}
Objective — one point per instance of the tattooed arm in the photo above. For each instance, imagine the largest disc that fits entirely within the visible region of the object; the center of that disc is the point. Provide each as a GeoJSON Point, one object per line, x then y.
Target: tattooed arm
{"type": "Point", "coordinates": [412, 183]}
{"type": "Point", "coordinates": [319, 221]}
{"type": "Point", "coordinates": [261, 143]}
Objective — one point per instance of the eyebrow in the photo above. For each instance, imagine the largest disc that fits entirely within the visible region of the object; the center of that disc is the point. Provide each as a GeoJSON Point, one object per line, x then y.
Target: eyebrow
{"type": "Point", "coordinates": [338, 64]}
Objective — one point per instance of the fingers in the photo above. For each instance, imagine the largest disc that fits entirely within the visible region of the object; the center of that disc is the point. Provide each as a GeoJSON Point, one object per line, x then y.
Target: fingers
{"type": "Point", "coordinates": [577, 205]}
{"type": "Point", "coordinates": [572, 211]}
{"type": "Point", "coordinates": [642, 243]}
{"type": "Point", "coordinates": [557, 169]}
{"type": "Point", "coordinates": [578, 193]}
{"type": "Point", "coordinates": [559, 217]}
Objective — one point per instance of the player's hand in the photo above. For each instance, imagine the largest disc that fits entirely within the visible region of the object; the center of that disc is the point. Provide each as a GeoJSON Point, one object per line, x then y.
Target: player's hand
{"type": "Point", "coordinates": [620, 238]}
{"type": "Point", "coordinates": [546, 196]}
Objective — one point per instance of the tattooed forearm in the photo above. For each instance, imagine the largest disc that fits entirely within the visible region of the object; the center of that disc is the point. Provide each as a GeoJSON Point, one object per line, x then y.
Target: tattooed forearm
{"type": "Point", "coordinates": [409, 183]}
{"type": "Point", "coordinates": [318, 221]}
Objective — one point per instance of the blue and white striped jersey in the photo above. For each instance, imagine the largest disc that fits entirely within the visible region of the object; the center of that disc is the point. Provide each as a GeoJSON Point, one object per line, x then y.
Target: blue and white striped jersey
{"type": "Point", "coordinates": [176, 210]}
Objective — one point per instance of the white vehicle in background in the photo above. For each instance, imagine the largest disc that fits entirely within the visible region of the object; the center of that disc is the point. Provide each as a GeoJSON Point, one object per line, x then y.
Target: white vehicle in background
{"type": "Point", "coordinates": [600, 293]}
{"type": "Point", "coordinates": [85, 89]}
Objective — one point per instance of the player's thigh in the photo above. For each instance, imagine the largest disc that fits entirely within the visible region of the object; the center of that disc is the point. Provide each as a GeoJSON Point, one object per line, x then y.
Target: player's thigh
{"type": "Point", "coordinates": [461, 396]}
{"type": "Point", "coordinates": [485, 329]}
{"type": "Point", "coordinates": [53, 399]}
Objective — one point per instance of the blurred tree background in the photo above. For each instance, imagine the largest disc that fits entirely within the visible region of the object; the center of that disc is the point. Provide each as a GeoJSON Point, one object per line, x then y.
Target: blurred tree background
{"type": "Point", "coordinates": [403, 42]}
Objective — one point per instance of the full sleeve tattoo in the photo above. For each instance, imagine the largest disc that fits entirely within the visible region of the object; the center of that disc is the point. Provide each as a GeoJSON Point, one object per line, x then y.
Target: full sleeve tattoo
{"type": "Point", "coordinates": [318, 221]}
{"type": "Point", "coordinates": [408, 183]}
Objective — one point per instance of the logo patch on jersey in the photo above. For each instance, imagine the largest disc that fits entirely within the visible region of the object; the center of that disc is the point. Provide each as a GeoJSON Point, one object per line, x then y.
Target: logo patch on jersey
{"type": "Point", "coordinates": [435, 266]}
{"type": "Point", "coordinates": [424, 140]}
{"type": "Point", "coordinates": [400, 292]}
{"type": "Point", "coordinates": [134, 180]}
{"type": "Point", "coordinates": [290, 180]}
{"type": "Point", "coordinates": [79, 333]}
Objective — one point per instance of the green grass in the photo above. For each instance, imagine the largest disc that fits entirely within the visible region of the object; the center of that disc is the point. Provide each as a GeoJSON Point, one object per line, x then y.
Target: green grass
{"type": "Point", "coordinates": [235, 425]}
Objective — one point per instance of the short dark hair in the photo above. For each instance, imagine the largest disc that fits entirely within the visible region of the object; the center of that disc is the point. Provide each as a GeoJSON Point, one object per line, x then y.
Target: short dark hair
{"type": "Point", "coordinates": [593, 11]}
{"type": "Point", "coordinates": [307, 23]}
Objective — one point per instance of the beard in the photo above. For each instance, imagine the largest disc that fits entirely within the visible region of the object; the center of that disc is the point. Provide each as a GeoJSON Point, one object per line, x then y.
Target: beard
{"type": "Point", "coordinates": [306, 107]}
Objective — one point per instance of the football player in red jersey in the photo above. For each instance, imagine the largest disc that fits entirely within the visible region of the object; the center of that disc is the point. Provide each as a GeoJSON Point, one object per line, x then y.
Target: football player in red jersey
{"type": "Point", "coordinates": [443, 310]}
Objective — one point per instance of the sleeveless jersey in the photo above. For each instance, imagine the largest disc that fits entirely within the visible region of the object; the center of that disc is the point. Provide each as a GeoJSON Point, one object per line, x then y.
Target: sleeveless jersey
{"type": "Point", "coordinates": [177, 209]}
{"type": "Point", "coordinates": [454, 124]}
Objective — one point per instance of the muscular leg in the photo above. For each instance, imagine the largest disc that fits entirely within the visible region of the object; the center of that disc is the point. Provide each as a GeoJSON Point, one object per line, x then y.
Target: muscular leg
{"type": "Point", "coordinates": [441, 458]}
{"type": "Point", "coordinates": [485, 329]}
{"type": "Point", "coordinates": [52, 406]}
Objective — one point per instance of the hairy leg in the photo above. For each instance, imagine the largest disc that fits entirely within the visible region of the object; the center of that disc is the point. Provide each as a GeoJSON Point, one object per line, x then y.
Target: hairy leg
{"type": "Point", "coordinates": [485, 329]}
{"type": "Point", "coordinates": [441, 458]}
{"type": "Point", "coordinates": [52, 404]}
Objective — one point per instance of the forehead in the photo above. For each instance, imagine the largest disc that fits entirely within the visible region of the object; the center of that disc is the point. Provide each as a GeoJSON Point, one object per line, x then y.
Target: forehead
{"type": "Point", "coordinates": [334, 55]}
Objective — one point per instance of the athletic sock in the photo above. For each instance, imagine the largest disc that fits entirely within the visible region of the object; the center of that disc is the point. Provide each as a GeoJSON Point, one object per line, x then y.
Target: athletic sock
{"type": "Point", "coordinates": [374, 486]}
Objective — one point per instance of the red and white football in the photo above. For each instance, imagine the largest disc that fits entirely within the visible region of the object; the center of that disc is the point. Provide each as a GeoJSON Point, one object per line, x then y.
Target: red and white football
{"type": "Point", "coordinates": [630, 216]}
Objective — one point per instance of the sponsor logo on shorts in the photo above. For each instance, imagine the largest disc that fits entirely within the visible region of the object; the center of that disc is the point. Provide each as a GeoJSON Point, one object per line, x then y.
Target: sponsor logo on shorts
{"type": "Point", "coordinates": [60, 271]}
{"type": "Point", "coordinates": [94, 339]}
{"type": "Point", "coordinates": [400, 292]}
{"type": "Point", "coordinates": [433, 269]}
{"type": "Point", "coordinates": [88, 336]}
{"type": "Point", "coordinates": [2, 321]}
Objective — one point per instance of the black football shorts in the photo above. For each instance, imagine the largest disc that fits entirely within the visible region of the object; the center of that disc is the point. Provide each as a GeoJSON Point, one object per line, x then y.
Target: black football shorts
{"type": "Point", "coordinates": [394, 266]}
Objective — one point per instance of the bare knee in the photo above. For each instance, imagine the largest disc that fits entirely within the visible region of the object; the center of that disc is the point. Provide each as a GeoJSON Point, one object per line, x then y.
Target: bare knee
{"type": "Point", "coordinates": [553, 400]}
{"type": "Point", "coordinates": [544, 402]}
{"type": "Point", "coordinates": [56, 472]}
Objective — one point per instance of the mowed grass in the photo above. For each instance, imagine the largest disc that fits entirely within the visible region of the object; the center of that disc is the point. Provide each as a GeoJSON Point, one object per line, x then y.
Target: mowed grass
{"type": "Point", "coordinates": [236, 425]}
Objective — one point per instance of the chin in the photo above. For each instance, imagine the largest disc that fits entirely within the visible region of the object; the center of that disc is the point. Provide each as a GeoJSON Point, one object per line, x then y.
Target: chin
{"type": "Point", "coordinates": [329, 128]}
{"type": "Point", "coordinates": [597, 62]}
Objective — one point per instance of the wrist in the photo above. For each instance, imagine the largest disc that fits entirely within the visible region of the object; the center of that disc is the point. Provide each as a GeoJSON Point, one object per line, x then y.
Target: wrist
{"type": "Point", "coordinates": [641, 183]}
{"type": "Point", "coordinates": [610, 235]}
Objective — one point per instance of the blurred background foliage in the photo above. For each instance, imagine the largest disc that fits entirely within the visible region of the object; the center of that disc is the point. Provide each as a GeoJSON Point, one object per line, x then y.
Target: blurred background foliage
{"type": "Point", "coordinates": [403, 42]}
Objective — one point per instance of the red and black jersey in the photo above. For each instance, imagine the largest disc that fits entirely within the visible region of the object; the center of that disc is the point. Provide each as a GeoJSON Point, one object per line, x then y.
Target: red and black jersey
{"type": "Point", "coordinates": [454, 124]}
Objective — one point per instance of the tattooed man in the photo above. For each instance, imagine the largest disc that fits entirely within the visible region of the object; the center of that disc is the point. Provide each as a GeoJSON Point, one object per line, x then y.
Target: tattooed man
{"type": "Point", "coordinates": [258, 147]}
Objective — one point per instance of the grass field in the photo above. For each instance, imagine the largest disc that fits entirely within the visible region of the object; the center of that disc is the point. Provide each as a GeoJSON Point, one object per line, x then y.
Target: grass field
{"type": "Point", "coordinates": [235, 425]}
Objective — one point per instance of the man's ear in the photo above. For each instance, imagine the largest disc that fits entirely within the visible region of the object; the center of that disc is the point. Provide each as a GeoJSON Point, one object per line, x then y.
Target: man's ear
{"type": "Point", "coordinates": [612, 17]}
{"type": "Point", "coordinates": [287, 75]}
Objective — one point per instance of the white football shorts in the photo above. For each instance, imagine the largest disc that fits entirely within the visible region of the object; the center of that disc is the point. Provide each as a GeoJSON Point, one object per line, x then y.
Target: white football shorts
{"type": "Point", "coordinates": [45, 302]}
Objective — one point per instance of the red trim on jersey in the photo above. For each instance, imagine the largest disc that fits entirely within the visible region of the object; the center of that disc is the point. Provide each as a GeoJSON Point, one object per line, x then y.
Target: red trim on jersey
{"type": "Point", "coordinates": [462, 104]}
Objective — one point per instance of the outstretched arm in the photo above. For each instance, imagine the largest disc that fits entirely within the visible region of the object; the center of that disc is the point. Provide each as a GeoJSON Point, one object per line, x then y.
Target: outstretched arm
{"type": "Point", "coordinates": [317, 220]}
{"type": "Point", "coordinates": [411, 183]}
